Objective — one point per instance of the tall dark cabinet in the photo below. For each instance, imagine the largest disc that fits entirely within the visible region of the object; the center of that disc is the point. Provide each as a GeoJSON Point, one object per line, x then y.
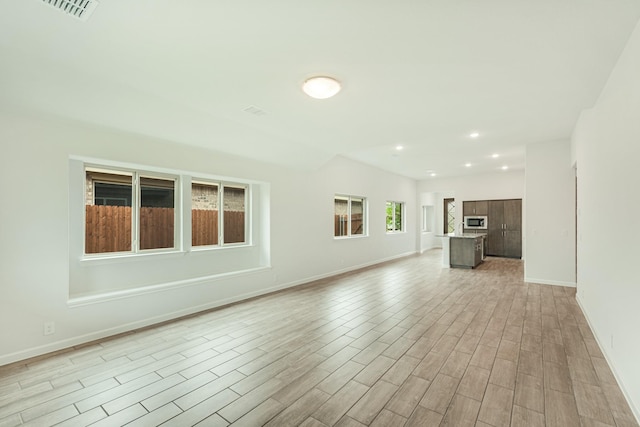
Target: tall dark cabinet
{"type": "Point", "coordinates": [504, 229]}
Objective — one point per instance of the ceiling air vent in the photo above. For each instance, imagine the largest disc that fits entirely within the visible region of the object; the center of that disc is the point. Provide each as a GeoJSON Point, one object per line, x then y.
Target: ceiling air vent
{"type": "Point", "coordinates": [256, 111]}
{"type": "Point", "coordinates": [80, 9]}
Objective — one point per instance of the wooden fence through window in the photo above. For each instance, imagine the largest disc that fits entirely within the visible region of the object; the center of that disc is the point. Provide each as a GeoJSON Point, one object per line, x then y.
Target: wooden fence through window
{"type": "Point", "coordinates": [156, 228]}
{"type": "Point", "coordinates": [341, 225]}
{"type": "Point", "coordinates": [204, 227]}
{"type": "Point", "coordinates": [108, 228]}
{"type": "Point", "coordinates": [234, 227]}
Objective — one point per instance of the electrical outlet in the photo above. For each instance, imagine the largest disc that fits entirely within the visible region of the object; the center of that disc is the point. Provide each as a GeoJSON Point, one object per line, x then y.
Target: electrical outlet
{"type": "Point", "coordinates": [49, 328]}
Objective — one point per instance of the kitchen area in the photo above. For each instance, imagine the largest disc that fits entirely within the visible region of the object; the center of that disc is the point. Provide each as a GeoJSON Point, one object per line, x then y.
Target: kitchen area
{"type": "Point", "coordinates": [489, 228]}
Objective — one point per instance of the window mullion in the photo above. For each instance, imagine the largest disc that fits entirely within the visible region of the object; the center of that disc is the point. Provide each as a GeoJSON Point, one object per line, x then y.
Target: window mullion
{"type": "Point", "coordinates": [349, 216]}
{"type": "Point", "coordinates": [393, 216]}
{"type": "Point", "coordinates": [221, 214]}
{"type": "Point", "coordinates": [135, 213]}
{"type": "Point", "coordinates": [247, 214]}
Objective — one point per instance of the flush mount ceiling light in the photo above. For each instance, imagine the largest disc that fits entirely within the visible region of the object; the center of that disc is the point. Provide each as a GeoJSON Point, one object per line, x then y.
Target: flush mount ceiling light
{"type": "Point", "coordinates": [399, 147]}
{"type": "Point", "coordinates": [321, 87]}
{"type": "Point", "coordinates": [474, 135]}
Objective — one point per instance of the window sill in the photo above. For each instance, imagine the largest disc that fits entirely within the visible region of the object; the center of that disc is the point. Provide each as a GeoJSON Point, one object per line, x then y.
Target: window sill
{"type": "Point", "coordinates": [203, 249]}
{"type": "Point", "coordinates": [357, 236]}
{"type": "Point", "coordinates": [79, 300]}
{"type": "Point", "coordinates": [124, 257]}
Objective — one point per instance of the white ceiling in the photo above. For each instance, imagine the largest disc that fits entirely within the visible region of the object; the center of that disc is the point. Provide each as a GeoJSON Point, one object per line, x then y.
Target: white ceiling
{"type": "Point", "coordinates": [420, 73]}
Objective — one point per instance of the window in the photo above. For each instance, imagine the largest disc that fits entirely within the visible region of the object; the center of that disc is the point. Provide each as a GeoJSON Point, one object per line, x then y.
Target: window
{"type": "Point", "coordinates": [132, 211]}
{"type": "Point", "coordinates": [128, 211]}
{"type": "Point", "coordinates": [133, 228]}
{"type": "Point", "coordinates": [234, 202]}
{"type": "Point", "coordinates": [427, 218]}
{"type": "Point", "coordinates": [204, 213]}
{"type": "Point", "coordinates": [157, 213]}
{"type": "Point", "coordinates": [449, 216]}
{"type": "Point", "coordinates": [395, 217]}
{"type": "Point", "coordinates": [108, 223]}
{"type": "Point", "coordinates": [349, 216]}
{"type": "Point", "coordinates": [208, 226]}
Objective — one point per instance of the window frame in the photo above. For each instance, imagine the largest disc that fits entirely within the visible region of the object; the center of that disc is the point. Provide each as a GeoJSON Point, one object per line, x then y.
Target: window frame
{"type": "Point", "coordinates": [394, 204]}
{"type": "Point", "coordinates": [136, 200]}
{"type": "Point", "coordinates": [177, 226]}
{"type": "Point", "coordinates": [365, 216]}
{"type": "Point", "coordinates": [427, 218]}
{"type": "Point", "coordinates": [446, 221]}
{"type": "Point", "coordinates": [221, 184]}
{"type": "Point", "coordinates": [182, 199]}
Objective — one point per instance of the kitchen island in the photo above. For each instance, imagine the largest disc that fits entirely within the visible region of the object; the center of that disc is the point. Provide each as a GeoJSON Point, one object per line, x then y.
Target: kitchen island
{"type": "Point", "coordinates": [465, 250]}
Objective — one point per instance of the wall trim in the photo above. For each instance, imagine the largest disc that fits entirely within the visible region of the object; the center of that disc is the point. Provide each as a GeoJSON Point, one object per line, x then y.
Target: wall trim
{"type": "Point", "coordinates": [550, 282]}
{"type": "Point", "coordinates": [634, 409]}
{"type": "Point", "coordinates": [80, 301]}
{"type": "Point", "coordinates": [175, 315]}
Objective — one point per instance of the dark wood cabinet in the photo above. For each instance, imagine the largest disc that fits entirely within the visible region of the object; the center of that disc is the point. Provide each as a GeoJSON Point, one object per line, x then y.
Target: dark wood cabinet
{"type": "Point", "coordinates": [482, 207]}
{"type": "Point", "coordinates": [465, 252]}
{"type": "Point", "coordinates": [504, 225]}
{"type": "Point", "coordinates": [504, 230]}
{"type": "Point", "coordinates": [476, 207]}
{"type": "Point", "coordinates": [495, 221]}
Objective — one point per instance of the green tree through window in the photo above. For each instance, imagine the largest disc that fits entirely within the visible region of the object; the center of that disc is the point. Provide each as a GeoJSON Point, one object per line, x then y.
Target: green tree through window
{"type": "Point", "coordinates": [395, 217]}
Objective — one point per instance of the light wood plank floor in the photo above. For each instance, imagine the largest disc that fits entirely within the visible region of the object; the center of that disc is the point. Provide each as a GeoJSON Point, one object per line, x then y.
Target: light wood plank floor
{"type": "Point", "coordinates": [402, 344]}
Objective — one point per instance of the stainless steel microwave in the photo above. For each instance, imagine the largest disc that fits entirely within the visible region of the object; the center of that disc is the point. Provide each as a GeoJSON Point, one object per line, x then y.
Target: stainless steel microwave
{"type": "Point", "coordinates": [475, 222]}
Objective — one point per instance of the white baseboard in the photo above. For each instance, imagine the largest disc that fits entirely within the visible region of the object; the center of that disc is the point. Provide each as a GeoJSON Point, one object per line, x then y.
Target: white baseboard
{"type": "Point", "coordinates": [550, 282]}
{"type": "Point", "coordinates": [634, 409]}
{"type": "Point", "coordinates": [6, 359]}
{"type": "Point", "coordinates": [352, 268]}
{"type": "Point", "coordinates": [128, 327]}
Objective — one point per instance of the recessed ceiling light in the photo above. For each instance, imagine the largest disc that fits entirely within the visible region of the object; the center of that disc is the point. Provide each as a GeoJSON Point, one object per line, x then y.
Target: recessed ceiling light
{"type": "Point", "coordinates": [432, 174]}
{"type": "Point", "coordinates": [467, 165]}
{"type": "Point", "coordinates": [505, 167]}
{"type": "Point", "coordinates": [474, 135]}
{"type": "Point", "coordinates": [495, 156]}
{"type": "Point", "coordinates": [399, 147]}
{"type": "Point", "coordinates": [321, 87]}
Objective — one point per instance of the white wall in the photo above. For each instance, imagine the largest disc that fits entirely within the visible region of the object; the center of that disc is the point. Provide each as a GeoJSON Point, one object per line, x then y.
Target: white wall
{"type": "Point", "coordinates": [491, 186]}
{"type": "Point", "coordinates": [550, 213]}
{"type": "Point", "coordinates": [430, 240]}
{"type": "Point", "coordinates": [110, 276]}
{"type": "Point", "coordinates": [34, 266]}
{"type": "Point", "coordinates": [607, 152]}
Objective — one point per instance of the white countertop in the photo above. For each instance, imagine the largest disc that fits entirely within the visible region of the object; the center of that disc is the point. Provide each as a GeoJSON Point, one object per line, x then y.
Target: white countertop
{"type": "Point", "coordinates": [463, 235]}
